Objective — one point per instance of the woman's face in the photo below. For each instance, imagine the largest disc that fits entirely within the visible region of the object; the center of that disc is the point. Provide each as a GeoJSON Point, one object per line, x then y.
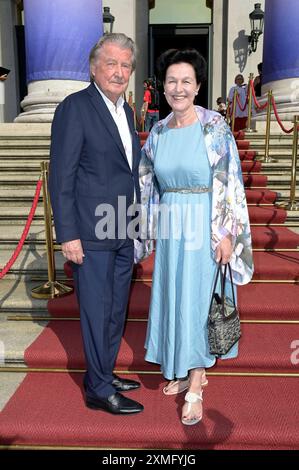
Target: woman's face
{"type": "Point", "coordinates": [180, 86]}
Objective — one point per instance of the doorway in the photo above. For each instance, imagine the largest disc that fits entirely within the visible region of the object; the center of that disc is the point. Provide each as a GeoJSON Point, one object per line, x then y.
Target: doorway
{"type": "Point", "coordinates": [171, 36]}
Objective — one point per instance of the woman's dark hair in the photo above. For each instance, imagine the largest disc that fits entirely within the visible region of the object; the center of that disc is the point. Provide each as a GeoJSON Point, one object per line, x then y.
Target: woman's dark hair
{"type": "Point", "coordinates": [178, 56]}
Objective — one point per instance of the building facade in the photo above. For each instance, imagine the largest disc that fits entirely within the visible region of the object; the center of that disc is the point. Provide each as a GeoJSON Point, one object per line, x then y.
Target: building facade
{"type": "Point", "coordinates": [219, 29]}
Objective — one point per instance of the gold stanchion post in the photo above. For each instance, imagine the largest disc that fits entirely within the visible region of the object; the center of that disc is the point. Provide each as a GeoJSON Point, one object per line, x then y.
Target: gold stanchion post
{"type": "Point", "coordinates": [248, 129]}
{"type": "Point", "coordinates": [267, 158]}
{"type": "Point", "coordinates": [51, 288]}
{"type": "Point", "coordinates": [292, 204]}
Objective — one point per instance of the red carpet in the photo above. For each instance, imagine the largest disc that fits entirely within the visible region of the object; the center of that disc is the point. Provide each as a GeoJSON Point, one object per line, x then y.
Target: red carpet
{"type": "Point", "coordinates": [255, 302]}
{"type": "Point", "coordinates": [247, 154]}
{"type": "Point", "coordinates": [263, 348]}
{"type": "Point", "coordinates": [262, 196]}
{"type": "Point", "coordinates": [254, 180]}
{"type": "Point", "coordinates": [266, 215]}
{"type": "Point", "coordinates": [274, 237]}
{"type": "Point", "coordinates": [243, 144]}
{"type": "Point", "coordinates": [251, 166]}
{"type": "Point", "coordinates": [239, 413]}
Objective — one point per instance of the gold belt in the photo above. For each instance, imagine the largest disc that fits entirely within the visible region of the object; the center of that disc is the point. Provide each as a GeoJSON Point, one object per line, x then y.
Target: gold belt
{"type": "Point", "coordinates": [195, 189]}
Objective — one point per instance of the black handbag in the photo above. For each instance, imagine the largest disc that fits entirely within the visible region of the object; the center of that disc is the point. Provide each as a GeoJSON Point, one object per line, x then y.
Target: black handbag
{"type": "Point", "coordinates": [224, 328]}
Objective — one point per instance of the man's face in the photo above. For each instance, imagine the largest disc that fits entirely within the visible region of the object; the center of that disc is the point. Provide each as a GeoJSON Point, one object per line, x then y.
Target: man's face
{"type": "Point", "coordinates": [112, 70]}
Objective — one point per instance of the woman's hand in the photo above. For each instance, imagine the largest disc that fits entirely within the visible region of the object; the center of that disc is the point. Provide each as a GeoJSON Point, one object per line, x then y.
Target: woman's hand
{"type": "Point", "coordinates": [224, 250]}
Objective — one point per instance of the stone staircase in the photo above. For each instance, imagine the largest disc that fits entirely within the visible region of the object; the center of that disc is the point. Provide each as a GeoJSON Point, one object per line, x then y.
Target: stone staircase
{"type": "Point", "coordinates": [22, 318]}
{"type": "Point", "coordinates": [22, 148]}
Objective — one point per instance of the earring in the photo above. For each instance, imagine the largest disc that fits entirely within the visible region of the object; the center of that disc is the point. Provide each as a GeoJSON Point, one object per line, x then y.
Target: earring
{"type": "Point", "coordinates": [164, 93]}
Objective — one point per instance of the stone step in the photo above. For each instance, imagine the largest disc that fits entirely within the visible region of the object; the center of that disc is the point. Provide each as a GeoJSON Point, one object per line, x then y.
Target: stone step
{"type": "Point", "coordinates": [19, 221]}
{"type": "Point", "coordinates": [25, 154]}
{"type": "Point", "coordinates": [19, 143]}
{"type": "Point", "coordinates": [17, 193]}
{"type": "Point", "coordinates": [260, 145]}
{"type": "Point", "coordinates": [21, 201]}
{"type": "Point", "coordinates": [9, 232]}
{"type": "Point", "coordinates": [32, 260]}
{"type": "Point", "coordinates": [15, 297]}
{"type": "Point", "coordinates": [257, 136]}
{"type": "Point", "coordinates": [20, 166]}
{"type": "Point", "coordinates": [10, 381]}
{"type": "Point", "coordinates": [278, 154]}
{"type": "Point", "coordinates": [15, 131]}
{"type": "Point", "coordinates": [16, 337]}
{"type": "Point", "coordinates": [19, 178]}
{"type": "Point", "coordinates": [17, 213]}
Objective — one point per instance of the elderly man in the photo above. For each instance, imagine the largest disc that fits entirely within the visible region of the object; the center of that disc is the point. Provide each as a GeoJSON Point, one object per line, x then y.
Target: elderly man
{"type": "Point", "coordinates": [95, 154]}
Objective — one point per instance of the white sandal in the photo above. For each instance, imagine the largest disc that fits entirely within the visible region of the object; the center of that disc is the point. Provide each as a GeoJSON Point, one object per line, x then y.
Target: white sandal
{"type": "Point", "coordinates": [182, 385]}
{"type": "Point", "coordinates": [192, 397]}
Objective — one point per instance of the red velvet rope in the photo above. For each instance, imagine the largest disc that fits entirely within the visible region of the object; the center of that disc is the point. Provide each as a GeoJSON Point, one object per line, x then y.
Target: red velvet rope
{"type": "Point", "coordinates": [239, 103]}
{"type": "Point", "coordinates": [25, 231]}
{"type": "Point", "coordinates": [287, 131]}
{"type": "Point", "coordinates": [257, 104]}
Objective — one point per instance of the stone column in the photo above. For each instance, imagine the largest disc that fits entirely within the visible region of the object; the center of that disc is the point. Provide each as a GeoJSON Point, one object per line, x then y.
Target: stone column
{"type": "Point", "coordinates": [9, 96]}
{"type": "Point", "coordinates": [280, 57]}
{"type": "Point", "coordinates": [58, 36]}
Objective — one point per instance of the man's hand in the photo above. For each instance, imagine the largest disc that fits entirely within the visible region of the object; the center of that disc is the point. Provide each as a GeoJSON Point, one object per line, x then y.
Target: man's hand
{"type": "Point", "coordinates": [224, 250]}
{"type": "Point", "coordinates": [73, 251]}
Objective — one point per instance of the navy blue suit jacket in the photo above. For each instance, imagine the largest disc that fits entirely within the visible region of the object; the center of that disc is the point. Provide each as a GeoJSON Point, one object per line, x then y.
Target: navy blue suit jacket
{"type": "Point", "coordinates": [88, 167]}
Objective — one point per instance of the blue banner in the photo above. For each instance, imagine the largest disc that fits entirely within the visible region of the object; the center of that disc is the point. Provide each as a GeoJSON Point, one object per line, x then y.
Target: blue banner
{"type": "Point", "coordinates": [281, 37]}
{"type": "Point", "coordinates": [59, 35]}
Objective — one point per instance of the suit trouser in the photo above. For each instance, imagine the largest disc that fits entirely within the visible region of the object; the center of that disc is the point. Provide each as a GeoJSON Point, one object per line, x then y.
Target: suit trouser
{"type": "Point", "coordinates": [102, 284]}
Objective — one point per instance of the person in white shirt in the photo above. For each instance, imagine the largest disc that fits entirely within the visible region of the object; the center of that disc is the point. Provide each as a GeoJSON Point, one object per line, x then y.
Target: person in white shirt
{"type": "Point", "coordinates": [240, 115]}
{"type": "Point", "coordinates": [95, 154]}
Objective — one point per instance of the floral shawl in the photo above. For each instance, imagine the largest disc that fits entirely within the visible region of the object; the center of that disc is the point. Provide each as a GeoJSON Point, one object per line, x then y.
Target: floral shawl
{"type": "Point", "coordinates": [229, 208]}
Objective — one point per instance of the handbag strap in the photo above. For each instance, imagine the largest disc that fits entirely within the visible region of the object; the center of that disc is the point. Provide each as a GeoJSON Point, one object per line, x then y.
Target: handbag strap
{"type": "Point", "coordinates": [223, 280]}
{"type": "Point", "coordinates": [215, 285]}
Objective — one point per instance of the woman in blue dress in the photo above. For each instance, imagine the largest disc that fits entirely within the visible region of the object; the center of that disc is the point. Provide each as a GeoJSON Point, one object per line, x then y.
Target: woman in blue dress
{"type": "Point", "coordinates": [193, 196]}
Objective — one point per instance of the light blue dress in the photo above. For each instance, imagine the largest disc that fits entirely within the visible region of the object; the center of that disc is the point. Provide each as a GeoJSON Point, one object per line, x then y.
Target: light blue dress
{"type": "Point", "coordinates": [184, 268]}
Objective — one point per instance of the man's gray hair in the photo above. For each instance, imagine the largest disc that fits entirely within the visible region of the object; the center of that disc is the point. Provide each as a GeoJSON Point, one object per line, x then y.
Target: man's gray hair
{"type": "Point", "coordinates": [121, 40]}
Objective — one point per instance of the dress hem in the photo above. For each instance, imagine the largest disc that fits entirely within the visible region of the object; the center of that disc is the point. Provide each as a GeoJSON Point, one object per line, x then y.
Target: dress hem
{"type": "Point", "coordinates": [183, 374]}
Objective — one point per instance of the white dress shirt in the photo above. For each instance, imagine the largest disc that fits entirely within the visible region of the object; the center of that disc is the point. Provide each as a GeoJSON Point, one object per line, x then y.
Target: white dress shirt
{"type": "Point", "coordinates": [118, 113]}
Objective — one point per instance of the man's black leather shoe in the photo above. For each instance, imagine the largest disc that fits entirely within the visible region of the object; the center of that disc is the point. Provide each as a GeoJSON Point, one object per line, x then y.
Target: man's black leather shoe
{"type": "Point", "coordinates": [116, 404]}
{"type": "Point", "coordinates": [124, 385]}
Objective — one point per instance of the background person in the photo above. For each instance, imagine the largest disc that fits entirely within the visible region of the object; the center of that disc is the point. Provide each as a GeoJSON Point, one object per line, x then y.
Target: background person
{"type": "Point", "coordinates": [150, 104]}
{"type": "Point", "coordinates": [221, 106]}
{"type": "Point", "coordinates": [240, 116]}
{"type": "Point", "coordinates": [257, 83]}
